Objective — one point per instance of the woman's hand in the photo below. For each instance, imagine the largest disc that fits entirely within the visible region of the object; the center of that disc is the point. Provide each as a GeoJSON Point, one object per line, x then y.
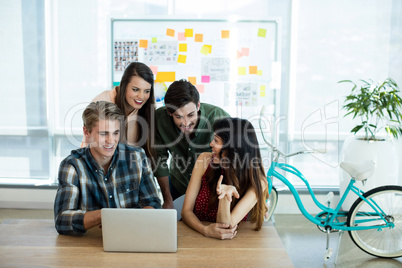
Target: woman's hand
{"type": "Point", "coordinates": [220, 231]}
{"type": "Point", "coordinates": [226, 190]}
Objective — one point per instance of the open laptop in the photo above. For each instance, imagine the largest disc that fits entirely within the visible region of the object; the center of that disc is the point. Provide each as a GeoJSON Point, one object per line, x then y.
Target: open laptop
{"type": "Point", "coordinates": [139, 230]}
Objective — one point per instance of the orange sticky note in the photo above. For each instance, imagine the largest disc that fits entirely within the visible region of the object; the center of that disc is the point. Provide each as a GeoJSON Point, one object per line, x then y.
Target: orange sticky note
{"type": "Point", "coordinates": [188, 32]}
{"type": "Point", "coordinates": [183, 47]}
{"type": "Point", "coordinates": [198, 37]}
{"type": "Point", "coordinates": [252, 69]}
{"type": "Point", "coordinates": [144, 43]}
{"type": "Point", "coordinates": [182, 58]}
{"type": "Point", "coordinates": [225, 34]}
{"type": "Point", "coordinates": [165, 77]}
{"type": "Point", "coordinates": [170, 32]}
{"type": "Point", "coordinates": [241, 71]}
{"type": "Point", "coordinates": [192, 80]}
{"type": "Point", "coordinates": [200, 88]}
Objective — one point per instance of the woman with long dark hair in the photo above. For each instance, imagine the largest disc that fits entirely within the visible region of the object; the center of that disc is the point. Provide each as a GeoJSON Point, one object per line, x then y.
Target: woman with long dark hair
{"type": "Point", "coordinates": [135, 97]}
{"type": "Point", "coordinates": [228, 185]}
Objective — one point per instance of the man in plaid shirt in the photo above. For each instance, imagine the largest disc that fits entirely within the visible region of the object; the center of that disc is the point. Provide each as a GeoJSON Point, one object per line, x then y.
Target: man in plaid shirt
{"type": "Point", "coordinates": [105, 174]}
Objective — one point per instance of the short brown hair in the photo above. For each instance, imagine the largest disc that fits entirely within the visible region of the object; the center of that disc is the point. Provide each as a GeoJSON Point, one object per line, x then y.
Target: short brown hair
{"type": "Point", "coordinates": [101, 110]}
{"type": "Point", "coordinates": [179, 94]}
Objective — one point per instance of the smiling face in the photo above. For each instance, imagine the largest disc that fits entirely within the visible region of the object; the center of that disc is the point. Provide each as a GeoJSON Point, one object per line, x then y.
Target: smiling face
{"type": "Point", "coordinates": [137, 93]}
{"type": "Point", "coordinates": [103, 140]}
{"type": "Point", "coordinates": [216, 146]}
{"type": "Point", "coordinates": [186, 117]}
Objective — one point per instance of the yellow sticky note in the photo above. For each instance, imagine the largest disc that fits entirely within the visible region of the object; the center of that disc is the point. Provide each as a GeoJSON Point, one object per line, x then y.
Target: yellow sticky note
{"type": "Point", "coordinates": [192, 80]}
{"type": "Point", "coordinates": [183, 47]}
{"type": "Point", "coordinates": [170, 32]}
{"type": "Point", "coordinates": [206, 49]}
{"type": "Point", "coordinates": [198, 37]}
{"type": "Point", "coordinates": [262, 93]}
{"type": "Point", "coordinates": [241, 70]}
{"type": "Point", "coordinates": [252, 69]}
{"type": "Point", "coordinates": [154, 40]}
{"type": "Point", "coordinates": [225, 34]}
{"type": "Point", "coordinates": [144, 43]}
{"type": "Point", "coordinates": [188, 32]}
{"type": "Point", "coordinates": [262, 88]}
{"type": "Point", "coordinates": [262, 32]}
{"type": "Point", "coordinates": [165, 77]}
{"type": "Point", "coordinates": [182, 58]}
{"type": "Point", "coordinates": [259, 72]}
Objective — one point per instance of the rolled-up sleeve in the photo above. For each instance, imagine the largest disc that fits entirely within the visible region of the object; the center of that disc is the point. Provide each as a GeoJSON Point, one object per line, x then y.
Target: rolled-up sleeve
{"type": "Point", "coordinates": [68, 218]}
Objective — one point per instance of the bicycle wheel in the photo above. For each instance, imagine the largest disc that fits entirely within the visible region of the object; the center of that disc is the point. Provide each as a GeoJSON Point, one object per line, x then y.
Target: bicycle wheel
{"type": "Point", "coordinates": [271, 203]}
{"type": "Point", "coordinates": [380, 242]}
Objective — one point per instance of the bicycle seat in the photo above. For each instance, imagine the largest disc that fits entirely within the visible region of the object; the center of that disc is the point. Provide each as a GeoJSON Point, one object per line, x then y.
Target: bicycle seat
{"type": "Point", "coordinates": [359, 171]}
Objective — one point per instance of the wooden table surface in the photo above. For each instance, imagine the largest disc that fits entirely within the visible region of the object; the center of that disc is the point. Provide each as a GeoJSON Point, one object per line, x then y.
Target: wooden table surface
{"type": "Point", "coordinates": [29, 243]}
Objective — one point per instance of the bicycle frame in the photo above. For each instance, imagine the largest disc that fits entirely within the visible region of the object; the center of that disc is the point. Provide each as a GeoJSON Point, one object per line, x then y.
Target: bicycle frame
{"type": "Point", "coordinates": [331, 215]}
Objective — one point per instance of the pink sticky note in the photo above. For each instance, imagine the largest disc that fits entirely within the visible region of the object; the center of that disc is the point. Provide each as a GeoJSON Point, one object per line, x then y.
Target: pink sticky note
{"type": "Point", "coordinates": [245, 51]}
{"type": "Point", "coordinates": [154, 69]}
{"type": "Point", "coordinates": [205, 79]}
{"type": "Point", "coordinates": [200, 88]}
{"type": "Point", "coordinates": [181, 37]}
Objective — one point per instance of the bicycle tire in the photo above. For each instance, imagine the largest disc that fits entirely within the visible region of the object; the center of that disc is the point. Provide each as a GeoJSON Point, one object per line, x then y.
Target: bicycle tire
{"type": "Point", "coordinates": [384, 242]}
{"type": "Point", "coordinates": [272, 201]}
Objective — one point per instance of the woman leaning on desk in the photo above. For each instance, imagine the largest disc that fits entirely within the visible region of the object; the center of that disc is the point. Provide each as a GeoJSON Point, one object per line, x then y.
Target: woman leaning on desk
{"type": "Point", "coordinates": [135, 97]}
{"type": "Point", "coordinates": [228, 183]}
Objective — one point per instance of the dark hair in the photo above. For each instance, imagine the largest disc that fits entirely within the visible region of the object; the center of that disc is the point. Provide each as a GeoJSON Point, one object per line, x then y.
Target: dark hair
{"type": "Point", "coordinates": [179, 94]}
{"type": "Point", "coordinates": [147, 111]}
{"type": "Point", "coordinates": [240, 164]}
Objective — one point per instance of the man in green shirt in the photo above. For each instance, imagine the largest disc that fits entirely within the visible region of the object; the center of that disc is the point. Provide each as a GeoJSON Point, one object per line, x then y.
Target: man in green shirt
{"type": "Point", "coordinates": [183, 130]}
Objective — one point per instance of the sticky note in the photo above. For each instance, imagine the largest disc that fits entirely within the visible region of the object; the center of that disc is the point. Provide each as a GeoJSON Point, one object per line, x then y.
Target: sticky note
{"type": "Point", "coordinates": [165, 77]}
{"type": "Point", "coordinates": [182, 58]}
{"type": "Point", "coordinates": [154, 40]}
{"type": "Point", "coordinates": [241, 70]}
{"type": "Point", "coordinates": [205, 79]}
{"type": "Point", "coordinates": [262, 32]}
{"type": "Point", "coordinates": [181, 37]}
{"type": "Point", "coordinates": [262, 93]}
{"type": "Point", "coordinates": [225, 34]}
{"type": "Point", "coordinates": [252, 69]}
{"type": "Point", "coordinates": [192, 80]}
{"type": "Point", "coordinates": [206, 49]}
{"type": "Point", "coordinates": [200, 88]}
{"type": "Point", "coordinates": [259, 72]}
{"type": "Point", "coordinates": [188, 32]}
{"type": "Point", "coordinates": [262, 88]}
{"type": "Point", "coordinates": [238, 54]}
{"type": "Point", "coordinates": [170, 32]}
{"type": "Point", "coordinates": [144, 43]}
{"type": "Point", "coordinates": [183, 47]}
{"type": "Point", "coordinates": [198, 37]}
{"type": "Point", "coordinates": [245, 51]}
{"type": "Point", "coordinates": [154, 69]}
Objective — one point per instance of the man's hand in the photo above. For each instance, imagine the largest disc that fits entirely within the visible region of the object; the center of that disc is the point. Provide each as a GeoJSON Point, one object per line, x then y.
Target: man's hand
{"type": "Point", "coordinates": [168, 204]}
{"type": "Point", "coordinates": [226, 190]}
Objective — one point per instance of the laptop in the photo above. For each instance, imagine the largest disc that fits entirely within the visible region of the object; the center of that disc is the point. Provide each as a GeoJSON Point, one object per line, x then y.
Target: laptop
{"type": "Point", "coordinates": [139, 230]}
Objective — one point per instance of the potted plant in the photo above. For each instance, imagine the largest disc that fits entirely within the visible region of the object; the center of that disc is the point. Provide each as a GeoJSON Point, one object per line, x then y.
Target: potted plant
{"type": "Point", "coordinates": [378, 106]}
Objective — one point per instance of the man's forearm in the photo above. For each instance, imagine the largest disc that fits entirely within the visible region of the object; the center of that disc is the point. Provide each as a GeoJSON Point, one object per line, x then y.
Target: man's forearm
{"type": "Point", "coordinates": [92, 218]}
{"type": "Point", "coordinates": [165, 189]}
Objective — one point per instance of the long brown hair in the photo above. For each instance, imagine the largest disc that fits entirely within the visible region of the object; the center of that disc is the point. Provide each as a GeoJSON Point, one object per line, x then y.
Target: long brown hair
{"type": "Point", "coordinates": [241, 164]}
{"type": "Point", "coordinates": [147, 111]}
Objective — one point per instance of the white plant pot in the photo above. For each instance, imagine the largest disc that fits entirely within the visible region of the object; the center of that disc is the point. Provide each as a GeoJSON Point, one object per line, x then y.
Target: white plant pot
{"type": "Point", "coordinates": [385, 157]}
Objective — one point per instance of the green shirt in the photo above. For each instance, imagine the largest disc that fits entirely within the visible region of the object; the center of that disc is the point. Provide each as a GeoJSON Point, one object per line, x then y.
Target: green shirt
{"type": "Point", "coordinates": [183, 150]}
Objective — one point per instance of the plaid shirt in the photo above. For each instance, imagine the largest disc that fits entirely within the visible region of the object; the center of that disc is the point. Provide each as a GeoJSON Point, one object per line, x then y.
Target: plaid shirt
{"type": "Point", "coordinates": [84, 186]}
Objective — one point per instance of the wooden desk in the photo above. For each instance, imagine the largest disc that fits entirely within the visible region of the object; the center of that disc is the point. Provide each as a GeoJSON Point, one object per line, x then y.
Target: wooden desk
{"type": "Point", "coordinates": [36, 242]}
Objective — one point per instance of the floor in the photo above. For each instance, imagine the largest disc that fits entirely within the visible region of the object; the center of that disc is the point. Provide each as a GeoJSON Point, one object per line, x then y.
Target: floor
{"type": "Point", "coordinates": [304, 243]}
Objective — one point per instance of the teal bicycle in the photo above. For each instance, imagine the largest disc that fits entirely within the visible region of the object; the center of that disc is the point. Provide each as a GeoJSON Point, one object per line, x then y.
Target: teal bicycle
{"type": "Point", "coordinates": [374, 221]}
